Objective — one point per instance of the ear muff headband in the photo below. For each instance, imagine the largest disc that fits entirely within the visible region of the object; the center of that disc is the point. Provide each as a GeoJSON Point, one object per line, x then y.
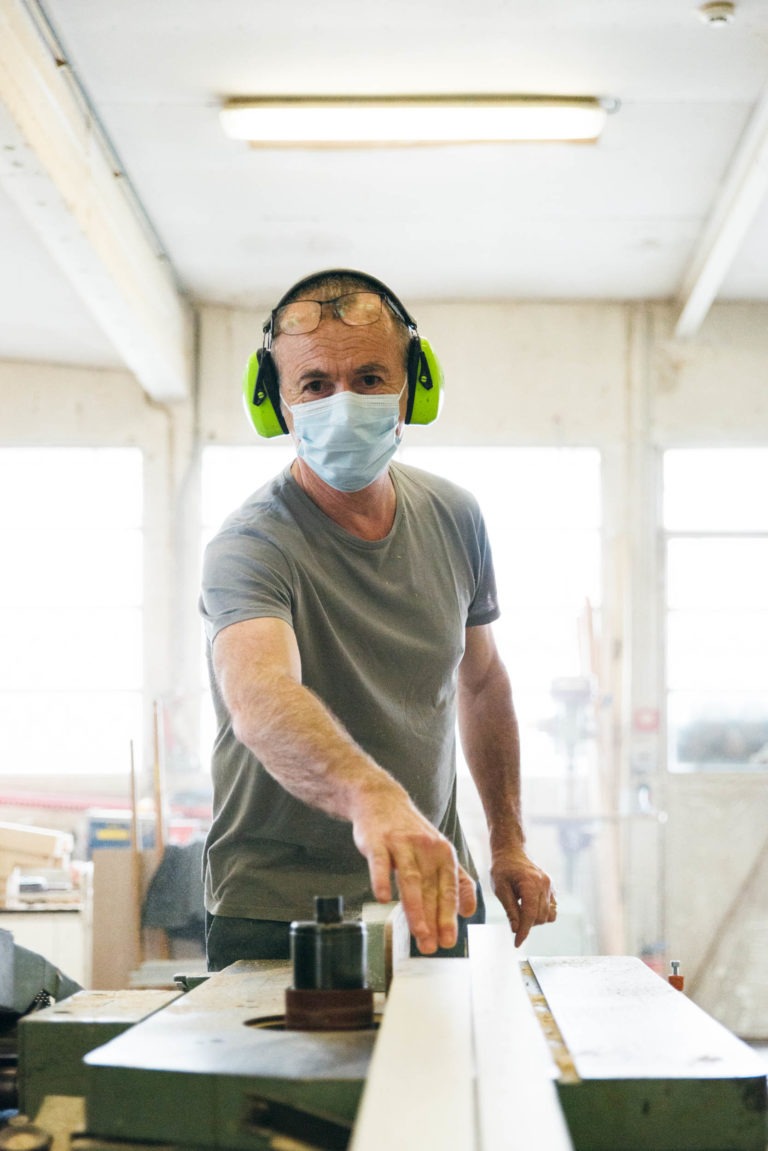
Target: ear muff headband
{"type": "Point", "coordinates": [261, 393]}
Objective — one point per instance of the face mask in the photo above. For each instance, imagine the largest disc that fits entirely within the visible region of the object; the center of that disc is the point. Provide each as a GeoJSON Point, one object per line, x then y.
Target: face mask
{"type": "Point", "coordinates": [347, 439]}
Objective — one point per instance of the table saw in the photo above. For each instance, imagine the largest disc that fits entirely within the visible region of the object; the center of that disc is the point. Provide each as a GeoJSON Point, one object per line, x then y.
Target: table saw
{"type": "Point", "coordinates": [486, 1053]}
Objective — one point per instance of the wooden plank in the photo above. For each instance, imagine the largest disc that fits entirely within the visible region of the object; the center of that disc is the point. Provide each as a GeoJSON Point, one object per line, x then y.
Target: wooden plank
{"type": "Point", "coordinates": [518, 1105]}
{"type": "Point", "coordinates": [419, 1091]}
{"type": "Point", "coordinates": [389, 941]}
{"type": "Point", "coordinates": [115, 950]}
{"type": "Point", "coordinates": [655, 1073]}
{"type": "Point", "coordinates": [115, 936]}
{"type": "Point", "coordinates": [619, 1018]}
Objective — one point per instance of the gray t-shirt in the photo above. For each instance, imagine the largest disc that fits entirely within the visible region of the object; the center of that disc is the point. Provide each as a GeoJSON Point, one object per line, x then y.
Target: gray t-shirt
{"type": "Point", "coordinates": [380, 630]}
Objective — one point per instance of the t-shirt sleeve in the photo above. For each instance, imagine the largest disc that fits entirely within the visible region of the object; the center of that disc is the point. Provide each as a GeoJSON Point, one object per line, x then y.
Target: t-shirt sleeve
{"type": "Point", "coordinates": [484, 607]}
{"type": "Point", "coordinates": [245, 576]}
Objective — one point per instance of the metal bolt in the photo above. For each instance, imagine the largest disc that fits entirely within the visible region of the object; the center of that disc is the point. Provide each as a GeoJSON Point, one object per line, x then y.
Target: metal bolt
{"type": "Point", "coordinates": [675, 965]}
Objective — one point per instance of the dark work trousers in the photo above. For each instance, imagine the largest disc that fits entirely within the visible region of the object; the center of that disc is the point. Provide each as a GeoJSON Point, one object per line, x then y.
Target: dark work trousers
{"type": "Point", "coordinates": [228, 939]}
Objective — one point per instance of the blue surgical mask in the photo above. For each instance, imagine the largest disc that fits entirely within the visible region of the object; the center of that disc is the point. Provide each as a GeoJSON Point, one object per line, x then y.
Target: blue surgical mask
{"type": "Point", "coordinates": [347, 439]}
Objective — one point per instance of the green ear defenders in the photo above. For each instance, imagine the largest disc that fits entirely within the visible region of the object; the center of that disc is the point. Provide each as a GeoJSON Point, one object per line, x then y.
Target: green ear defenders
{"type": "Point", "coordinates": [261, 392]}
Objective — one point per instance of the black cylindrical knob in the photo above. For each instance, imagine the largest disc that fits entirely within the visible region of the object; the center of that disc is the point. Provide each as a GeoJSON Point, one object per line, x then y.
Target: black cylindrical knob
{"type": "Point", "coordinates": [327, 952]}
{"type": "Point", "coordinates": [329, 908]}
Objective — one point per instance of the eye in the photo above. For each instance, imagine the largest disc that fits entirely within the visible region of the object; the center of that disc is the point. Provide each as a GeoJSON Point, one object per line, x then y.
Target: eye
{"type": "Point", "coordinates": [315, 387]}
{"type": "Point", "coordinates": [371, 380]}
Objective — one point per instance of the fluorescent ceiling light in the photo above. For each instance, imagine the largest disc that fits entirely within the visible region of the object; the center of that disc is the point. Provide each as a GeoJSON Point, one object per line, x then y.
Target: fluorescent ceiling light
{"type": "Point", "coordinates": [340, 120]}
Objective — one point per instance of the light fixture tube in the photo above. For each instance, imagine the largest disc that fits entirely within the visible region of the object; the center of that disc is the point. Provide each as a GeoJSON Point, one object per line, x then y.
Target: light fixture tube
{"type": "Point", "coordinates": [337, 120]}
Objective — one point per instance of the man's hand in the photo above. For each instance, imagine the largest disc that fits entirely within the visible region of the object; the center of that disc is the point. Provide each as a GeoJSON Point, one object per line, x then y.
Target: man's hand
{"type": "Point", "coordinates": [524, 890]}
{"type": "Point", "coordinates": [394, 837]}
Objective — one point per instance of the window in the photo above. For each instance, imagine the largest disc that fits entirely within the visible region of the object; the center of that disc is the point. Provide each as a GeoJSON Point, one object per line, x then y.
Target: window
{"type": "Point", "coordinates": [71, 583]}
{"type": "Point", "coordinates": [230, 475]}
{"type": "Point", "coordinates": [715, 517]}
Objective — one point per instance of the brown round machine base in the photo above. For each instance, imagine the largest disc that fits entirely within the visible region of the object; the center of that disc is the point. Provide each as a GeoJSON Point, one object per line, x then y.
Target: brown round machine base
{"type": "Point", "coordinates": [312, 1009]}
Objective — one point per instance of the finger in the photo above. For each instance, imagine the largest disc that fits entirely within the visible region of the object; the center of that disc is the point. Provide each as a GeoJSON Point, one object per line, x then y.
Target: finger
{"type": "Point", "coordinates": [467, 894]}
{"type": "Point", "coordinates": [525, 921]}
{"type": "Point", "coordinates": [540, 901]}
{"type": "Point", "coordinates": [510, 904]}
{"type": "Point", "coordinates": [419, 905]}
{"type": "Point", "coordinates": [380, 872]}
{"type": "Point", "coordinates": [431, 902]}
{"type": "Point", "coordinates": [547, 905]}
{"type": "Point", "coordinates": [448, 903]}
{"type": "Point", "coordinates": [552, 908]}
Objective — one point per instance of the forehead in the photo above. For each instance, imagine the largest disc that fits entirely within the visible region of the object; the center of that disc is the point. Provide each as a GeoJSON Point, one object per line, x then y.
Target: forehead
{"type": "Point", "coordinates": [335, 342]}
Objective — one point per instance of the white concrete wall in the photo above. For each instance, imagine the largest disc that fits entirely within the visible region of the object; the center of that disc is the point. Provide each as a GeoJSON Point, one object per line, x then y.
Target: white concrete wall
{"type": "Point", "coordinates": [45, 404]}
{"type": "Point", "coordinates": [605, 375]}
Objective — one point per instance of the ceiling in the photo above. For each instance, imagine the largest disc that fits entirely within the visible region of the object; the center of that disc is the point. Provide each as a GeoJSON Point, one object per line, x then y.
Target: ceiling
{"type": "Point", "coordinates": [123, 205]}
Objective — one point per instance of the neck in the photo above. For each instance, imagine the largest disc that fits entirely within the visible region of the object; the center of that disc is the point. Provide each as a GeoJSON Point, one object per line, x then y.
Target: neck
{"type": "Point", "coordinates": [367, 514]}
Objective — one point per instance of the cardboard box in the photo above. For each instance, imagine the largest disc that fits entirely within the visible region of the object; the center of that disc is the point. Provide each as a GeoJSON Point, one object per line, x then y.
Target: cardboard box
{"type": "Point", "coordinates": [31, 847]}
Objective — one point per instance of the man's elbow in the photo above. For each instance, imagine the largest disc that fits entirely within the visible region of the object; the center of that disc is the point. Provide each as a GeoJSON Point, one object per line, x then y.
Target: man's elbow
{"type": "Point", "coordinates": [259, 714]}
{"type": "Point", "coordinates": [242, 726]}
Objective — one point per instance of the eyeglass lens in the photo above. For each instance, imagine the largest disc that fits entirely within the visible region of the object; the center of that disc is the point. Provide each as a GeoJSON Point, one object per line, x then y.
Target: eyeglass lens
{"type": "Point", "coordinates": [354, 308]}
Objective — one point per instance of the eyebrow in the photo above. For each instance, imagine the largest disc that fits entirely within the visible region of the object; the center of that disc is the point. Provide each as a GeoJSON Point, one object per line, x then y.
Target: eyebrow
{"type": "Point", "coordinates": [313, 374]}
{"type": "Point", "coordinates": [361, 370]}
{"type": "Point", "coordinates": [373, 366]}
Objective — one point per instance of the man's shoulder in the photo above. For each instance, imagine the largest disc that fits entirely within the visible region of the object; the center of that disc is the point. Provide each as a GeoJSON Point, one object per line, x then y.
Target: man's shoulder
{"type": "Point", "coordinates": [270, 502]}
{"type": "Point", "coordinates": [433, 486]}
{"type": "Point", "coordinates": [265, 524]}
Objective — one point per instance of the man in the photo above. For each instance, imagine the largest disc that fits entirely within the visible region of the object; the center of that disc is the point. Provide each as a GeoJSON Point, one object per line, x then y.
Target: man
{"type": "Point", "coordinates": [348, 608]}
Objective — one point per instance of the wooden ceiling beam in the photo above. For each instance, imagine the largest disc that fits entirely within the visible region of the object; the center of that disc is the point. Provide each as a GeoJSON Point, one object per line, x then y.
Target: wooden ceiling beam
{"type": "Point", "coordinates": [741, 196]}
{"type": "Point", "coordinates": [57, 167]}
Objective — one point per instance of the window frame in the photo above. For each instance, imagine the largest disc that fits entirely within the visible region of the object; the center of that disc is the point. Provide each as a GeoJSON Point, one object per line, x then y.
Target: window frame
{"type": "Point", "coordinates": [668, 536]}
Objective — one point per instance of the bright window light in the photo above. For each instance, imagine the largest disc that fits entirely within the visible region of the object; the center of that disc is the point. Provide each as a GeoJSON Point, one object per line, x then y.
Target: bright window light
{"type": "Point", "coordinates": [716, 565]}
{"type": "Point", "coordinates": [71, 581]}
